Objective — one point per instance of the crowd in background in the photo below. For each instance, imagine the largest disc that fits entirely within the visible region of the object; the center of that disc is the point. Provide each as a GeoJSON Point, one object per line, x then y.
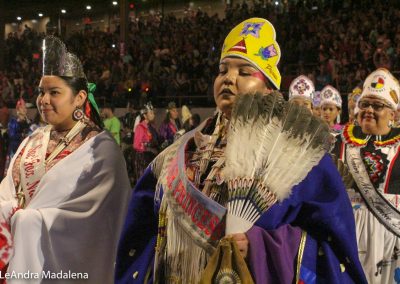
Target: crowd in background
{"type": "Point", "coordinates": [176, 58]}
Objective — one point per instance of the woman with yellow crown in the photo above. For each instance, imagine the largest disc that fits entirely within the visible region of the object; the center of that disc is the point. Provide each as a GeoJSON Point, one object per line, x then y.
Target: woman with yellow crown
{"type": "Point", "coordinates": [371, 153]}
{"type": "Point", "coordinates": [250, 196]}
{"type": "Point", "coordinates": [64, 197]}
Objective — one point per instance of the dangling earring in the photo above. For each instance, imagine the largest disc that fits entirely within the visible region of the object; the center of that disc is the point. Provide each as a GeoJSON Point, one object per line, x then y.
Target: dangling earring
{"type": "Point", "coordinates": [390, 124]}
{"type": "Point", "coordinates": [77, 114]}
{"type": "Point", "coordinates": [338, 119]}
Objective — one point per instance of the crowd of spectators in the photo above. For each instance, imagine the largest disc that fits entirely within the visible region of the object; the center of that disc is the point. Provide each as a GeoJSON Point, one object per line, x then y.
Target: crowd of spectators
{"type": "Point", "coordinates": [177, 57]}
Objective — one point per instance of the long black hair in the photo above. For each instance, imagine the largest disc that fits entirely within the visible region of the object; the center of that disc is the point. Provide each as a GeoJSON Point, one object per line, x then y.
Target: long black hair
{"type": "Point", "coordinates": [78, 84]}
{"type": "Point", "coordinates": [168, 119]}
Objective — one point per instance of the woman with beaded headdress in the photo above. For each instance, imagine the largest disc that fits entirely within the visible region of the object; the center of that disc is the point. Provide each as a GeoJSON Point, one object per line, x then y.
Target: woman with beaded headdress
{"type": "Point", "coordinates": [145, 142]}
{"type": "Point", "coordinates": [183, 209]}
{"type": "Point", "coordinates": [370, 153]}
{"type": "Point", "coordinates": [64, 196]}
{"type": "Point", "coordinates": [331, 106]}
{"type": "Point", "coordinates": [301, 92]}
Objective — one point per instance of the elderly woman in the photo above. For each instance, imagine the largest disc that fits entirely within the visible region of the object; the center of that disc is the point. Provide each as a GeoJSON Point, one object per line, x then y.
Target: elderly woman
{"type": "Point", "coordinates": [370, 151]}
{"type": "Point", "coordinates": [331, 105]}
{"type": "Point", "coordinates": [179, 207]}
{"type": "Point", "coordinates": [301, 92]}
{"type": "Point", "coordinates": [64, 196]}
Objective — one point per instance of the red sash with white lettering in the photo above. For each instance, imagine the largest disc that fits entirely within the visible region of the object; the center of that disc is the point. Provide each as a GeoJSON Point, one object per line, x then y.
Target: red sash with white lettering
{"type": "Point", "coordinates": [32, 165]}
{"type": "Point", "coordinates": [200, 216]}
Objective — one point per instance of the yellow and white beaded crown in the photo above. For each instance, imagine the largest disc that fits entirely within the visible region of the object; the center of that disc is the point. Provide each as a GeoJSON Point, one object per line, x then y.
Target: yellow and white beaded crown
{"type": "Point", "coordinates": [255, 41]}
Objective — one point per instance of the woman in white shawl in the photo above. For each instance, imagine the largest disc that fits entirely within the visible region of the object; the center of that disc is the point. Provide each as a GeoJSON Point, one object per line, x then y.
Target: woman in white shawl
{"type": "Point", "coordinates": [65, 193]}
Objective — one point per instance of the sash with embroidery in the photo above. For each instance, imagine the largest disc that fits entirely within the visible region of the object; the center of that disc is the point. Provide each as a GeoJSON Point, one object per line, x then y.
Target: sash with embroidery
{"type": "Point", "coordinates": [32, 165]}
{"type": "Point", "coordinates": [194, 222]}
{"type": "Point", "coordinates": [32, 168]}
{"type": "Point", "coordinates": [380, 207]}
{"type": "Point", "coordinates": [200, 216]}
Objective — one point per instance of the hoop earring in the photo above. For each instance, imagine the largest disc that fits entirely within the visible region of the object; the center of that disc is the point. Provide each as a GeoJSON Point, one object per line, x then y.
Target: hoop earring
{"type": "Point", "coordinates": [77, 114]}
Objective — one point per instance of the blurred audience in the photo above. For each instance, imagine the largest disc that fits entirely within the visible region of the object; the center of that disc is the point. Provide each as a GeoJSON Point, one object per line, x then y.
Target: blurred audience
{"type": "Point", "coordinates": [336, 43]}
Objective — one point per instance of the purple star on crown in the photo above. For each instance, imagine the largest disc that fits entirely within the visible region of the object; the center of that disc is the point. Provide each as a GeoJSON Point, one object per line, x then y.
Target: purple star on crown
{"type": "Point", "coordinates": [252, 29]}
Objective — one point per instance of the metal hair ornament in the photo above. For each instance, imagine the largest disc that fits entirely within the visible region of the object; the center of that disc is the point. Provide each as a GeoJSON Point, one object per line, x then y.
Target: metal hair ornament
{"type": "Point", "coordinates": [58, 61]}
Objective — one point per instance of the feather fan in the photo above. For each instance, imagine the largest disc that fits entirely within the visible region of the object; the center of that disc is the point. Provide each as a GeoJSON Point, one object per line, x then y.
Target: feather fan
{"type": "Point", "coordinates": [271, 147]}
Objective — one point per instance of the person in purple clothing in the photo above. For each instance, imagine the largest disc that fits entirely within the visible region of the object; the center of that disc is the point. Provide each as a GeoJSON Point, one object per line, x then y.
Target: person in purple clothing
{"type": "Point", "coordinates": [170, 126]}
{"type": "Point", "coordinates": [178, 209]}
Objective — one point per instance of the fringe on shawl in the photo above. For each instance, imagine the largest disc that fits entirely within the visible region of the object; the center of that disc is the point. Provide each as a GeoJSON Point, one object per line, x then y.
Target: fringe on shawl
{"type": "Point", "coordinates": [185, 260]}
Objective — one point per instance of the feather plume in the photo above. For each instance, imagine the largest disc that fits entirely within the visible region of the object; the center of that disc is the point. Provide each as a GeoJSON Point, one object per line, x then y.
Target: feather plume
{"type": "Point", "coordinates": [271, 147]}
